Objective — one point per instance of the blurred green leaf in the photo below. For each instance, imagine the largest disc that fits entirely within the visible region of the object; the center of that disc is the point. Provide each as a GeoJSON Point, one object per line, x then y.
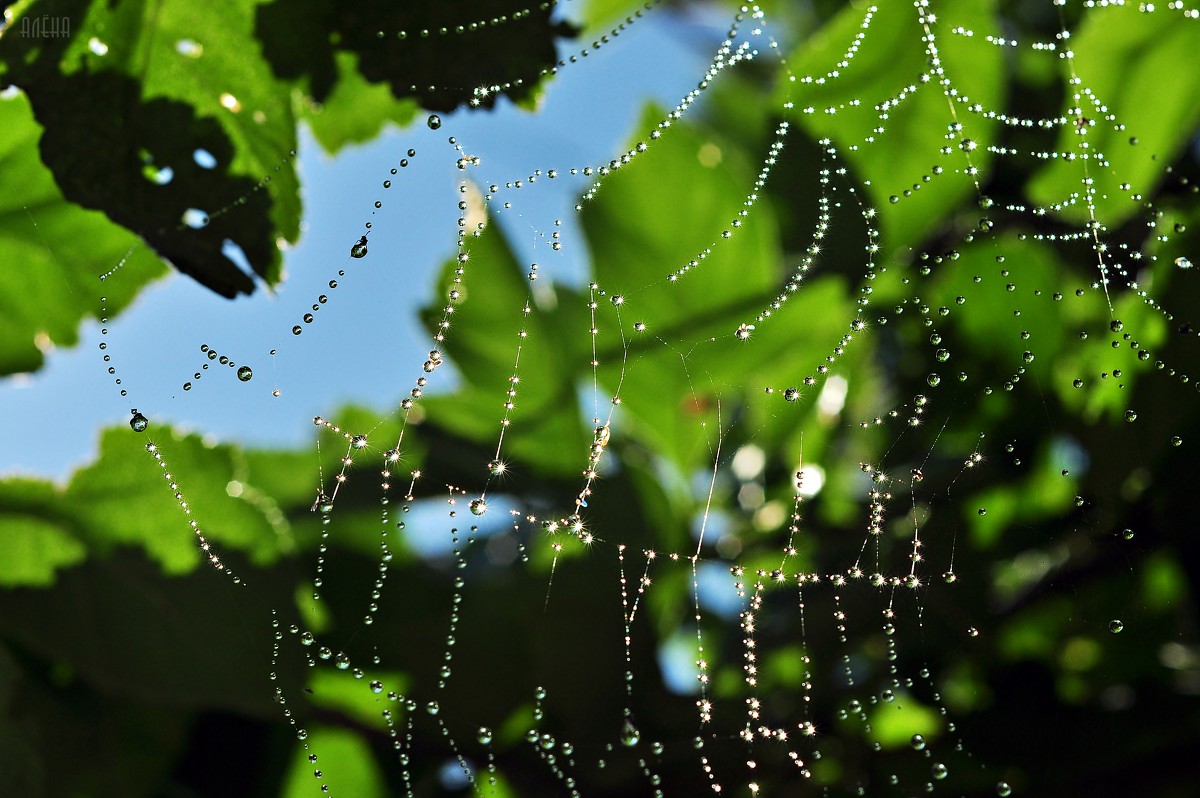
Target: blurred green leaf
{"type": "Point", "coordinates": [125, 475]}
{"type": "Point", "coordinates": [37, 540]}
{"type": "Point", "coordinates": [355, 111]}
{"type": "Point", "coordinates": [346, 765]}
{"type": "Point", "coordinates": [900, 155]}
{"type": "Point", "coordinates": [55, 252]}
{"type": "Point", "coordinates": [1128, 62]}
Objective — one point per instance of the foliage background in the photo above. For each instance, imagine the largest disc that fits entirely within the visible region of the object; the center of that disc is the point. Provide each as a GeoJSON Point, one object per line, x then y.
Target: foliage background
{"type": "Point", "coordinates": [126, 668]}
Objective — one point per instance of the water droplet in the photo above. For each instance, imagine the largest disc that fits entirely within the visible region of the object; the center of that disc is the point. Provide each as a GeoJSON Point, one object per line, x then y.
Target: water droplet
{"type": "Point", "coordinates": [1002, 789]}
{"type": "Point", "coordinates": [934, 380]}
{"type": "Point", "coordinates": [245, 373]}
{"type": "Point", "coordinates": [1115, 626]}
{"type": "Point", "coordinates": [484, 735]}
{"type": "Point", "coordinates": [377, 687]}
{"type": "Point", "coordinates": [297, 330]}
{"type": "Point", "coordinates": [1130, 416]}
{"type": "Point", "coordinates": [630, 736]}
{"type": "Point", "coordinates": [432, 708]}
{"type": "Point", "coordinates": [138, 422]}
{"type": "Point", "coordinates": [940, 771]}
{"type": "Point", "coordinates": [359, 250]}
{"type": "Point", "coordinates": [479, 506]}
{"type": "Point", "coordinates": [1115, 325]}
{"type": "Point", "coordinates": [434, 121]}
{"type": "Point", "coordinates": [917, 742]}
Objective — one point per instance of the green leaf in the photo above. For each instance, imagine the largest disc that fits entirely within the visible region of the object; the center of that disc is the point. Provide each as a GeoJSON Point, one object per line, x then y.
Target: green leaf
{"type": "Point", "coordinates": [484, 342]}
{"type": "Point", "coordinates": [340, 691]}
{"type": "Point", "coordinates": [125, 475]}
{"type": "Point", "coordinates": [889, 63]}
{"type": "Point", "coordinates": [642, 229]}
{"type": "Point", "coordinates": [37, 540]}
{"type": "Point", "coordinates": [1130, 62]}
{"type": "Point", "coordinates": [53, 252]}
{"type": "Point", "coordinates": [355, 111]}
{"type": "Point", "coordinates": [347, 766]}
{"type": "Point", "coordinates": [134, 93]}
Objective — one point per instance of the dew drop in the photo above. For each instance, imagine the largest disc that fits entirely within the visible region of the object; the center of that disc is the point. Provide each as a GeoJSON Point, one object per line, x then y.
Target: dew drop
{"type": "Point", "coordinates": [484, 735]}
{"type": "Point", "coordinates": [245, 373]}
{"type": "Point", "coordinates": [479, 506]}
{"type": "Point", "coordinates": [1002, 789]}
{"type": "Point", "coordinates": [1115, 626]}
{"type": "Point", "coordinates": [434, 121]}
{"type": "Point", "coordinates": [934, 380]}
{"type": "Point", "coordinates": [630, 736]}
{"type": "Point", "coordinates": [359, 250]}
{"type": "Point", "coordinates": [138, 422]}
{"type": "Point", "coordinates": [1130, 416]}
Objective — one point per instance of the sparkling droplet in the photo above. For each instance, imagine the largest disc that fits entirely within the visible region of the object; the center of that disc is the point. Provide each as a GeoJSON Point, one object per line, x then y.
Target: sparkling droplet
{"type": "Point", "coordinates": [484, 735]}
{"type": "Point", "coordinates": [1002, 789]}
{"type": "Point", "coordinates": [434, 121]}
{"type": "Point", "coordinates": [479, 506]}
{"type": "Point", "coordinates": [630, 736]}
{"type": "Point", "coordinates": [245, 373]}
{"type": "Point", "coordinates": [138, 422]}
{"type": "Point", "coordinates": [359, 250]}
{"type": "Point", "coordinates": [1115, 626]}
{"type": "Point", "coordinates": [917, 742]}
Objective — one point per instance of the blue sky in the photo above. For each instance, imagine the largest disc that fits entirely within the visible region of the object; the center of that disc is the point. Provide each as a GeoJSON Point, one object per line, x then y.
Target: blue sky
{"type": "Point", "coordinates": [366, 345]}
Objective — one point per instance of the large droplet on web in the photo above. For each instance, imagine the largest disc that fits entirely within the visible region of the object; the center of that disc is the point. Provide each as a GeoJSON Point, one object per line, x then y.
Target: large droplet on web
{"type": "Point", "coordinates": [478, 506]}
{"type": "Point", "coordinates": [630, 736]}
{"type": "Point", "coordinates": [359, 250]}
{"type": "Point", "coordinates": [137, 422]}
{"type": "Point", "coordinates": [434, 121]}
{"type": "Point", "coordinates": [245, 373]}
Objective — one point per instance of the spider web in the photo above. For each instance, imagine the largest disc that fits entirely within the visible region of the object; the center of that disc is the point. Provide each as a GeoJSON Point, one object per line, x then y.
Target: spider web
{"type": "Point", "coordinates": [713, 519]}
